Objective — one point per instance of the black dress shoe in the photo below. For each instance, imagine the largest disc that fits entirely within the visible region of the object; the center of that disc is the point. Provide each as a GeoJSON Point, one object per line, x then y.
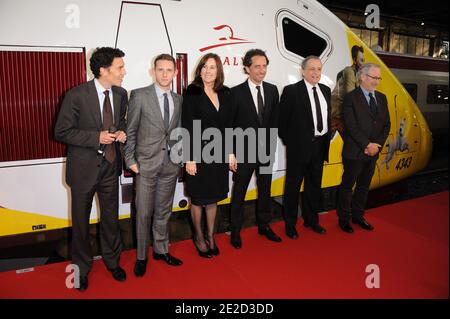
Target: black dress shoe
{"type": "Point", "coordinates": [316, 228]}
{"type": "Point", "coordinates": [345, 226]}
{"type": "Point", "coordinates": [291, 232]}
{"type": "Point", "coordinates": [268, 232]}
{"type": "Point", "coordinates": [168, 258]}
{"type": "Point", "coordinates": [236, 241]}
{"type": "Point", "coordinates": [118, 274]}
{"type": "Point", "coordinates": [83, 283]}
{"type": "Point", "coordinates": [140, 267]}
{"type": "Point", "coordinates": [363, 223]}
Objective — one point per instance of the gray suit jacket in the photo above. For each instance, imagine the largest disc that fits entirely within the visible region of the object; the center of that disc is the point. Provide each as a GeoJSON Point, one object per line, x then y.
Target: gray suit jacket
{"type": "Point", "coordinates": [147, 139]}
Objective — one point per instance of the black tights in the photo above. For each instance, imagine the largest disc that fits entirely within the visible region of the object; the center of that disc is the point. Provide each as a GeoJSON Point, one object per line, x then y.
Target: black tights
{"type": "Point", "coordinates": [196, 214]}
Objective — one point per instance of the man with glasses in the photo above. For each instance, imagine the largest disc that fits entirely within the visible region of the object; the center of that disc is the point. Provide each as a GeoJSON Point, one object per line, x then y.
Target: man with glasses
{"type": "Point", "coordinates": [367, 125]}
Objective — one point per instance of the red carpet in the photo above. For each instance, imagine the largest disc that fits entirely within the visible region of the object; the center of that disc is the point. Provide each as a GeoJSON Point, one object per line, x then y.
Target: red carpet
{"type": "Point", "coordinates": [409, 244]}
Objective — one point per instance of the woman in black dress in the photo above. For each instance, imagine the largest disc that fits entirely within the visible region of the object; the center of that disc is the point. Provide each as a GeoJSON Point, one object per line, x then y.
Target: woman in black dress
{"type": "Point", "coordinates": [206, 101]}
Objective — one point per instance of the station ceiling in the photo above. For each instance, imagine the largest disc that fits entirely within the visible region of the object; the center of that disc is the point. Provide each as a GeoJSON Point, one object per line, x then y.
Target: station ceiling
{"type": "Point", "coordinates": [433, 13]}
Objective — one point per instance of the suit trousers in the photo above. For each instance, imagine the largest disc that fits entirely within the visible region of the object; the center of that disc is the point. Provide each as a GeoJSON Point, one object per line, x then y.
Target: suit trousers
{"type": "Point", "coordinates": [106, 187]}
{"type": "Point", "coordinates": [263, 208]}
{"type": "Point", "coordinates": [311, 172]}
{"type": "Point", "coordinates": [352, 203]}
{"type": "Point", "coordinates": [154, 198]}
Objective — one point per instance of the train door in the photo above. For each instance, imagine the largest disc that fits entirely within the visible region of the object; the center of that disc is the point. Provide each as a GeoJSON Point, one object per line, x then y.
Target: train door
{"type": "Point", "coordinates": [142, 34]}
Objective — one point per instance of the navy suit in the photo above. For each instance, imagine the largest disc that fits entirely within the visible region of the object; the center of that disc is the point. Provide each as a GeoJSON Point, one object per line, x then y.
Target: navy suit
{"type": "Point", "coordinates": [361, 128]}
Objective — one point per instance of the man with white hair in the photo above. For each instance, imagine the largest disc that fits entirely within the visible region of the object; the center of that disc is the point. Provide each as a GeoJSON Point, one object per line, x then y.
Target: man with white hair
{"type": "Point", "coordinates": [304, 127]}
{"type": "Point", "coordinates": [367, 125]}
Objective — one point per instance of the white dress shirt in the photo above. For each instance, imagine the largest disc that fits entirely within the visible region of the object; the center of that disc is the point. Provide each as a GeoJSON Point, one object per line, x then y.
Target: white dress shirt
{"type": "Point", "coordinates": [101, 97]}
{"type": "Point", "coordinates": [323, 108]}
{"type": "Point", "coordinates": [254, 92]}
{"type": "Point", "coordinates": [160, 95]}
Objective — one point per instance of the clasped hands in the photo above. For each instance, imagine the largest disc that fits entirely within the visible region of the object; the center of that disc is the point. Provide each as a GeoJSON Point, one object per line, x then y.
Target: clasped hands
{"type": "Point", "coordinates": [191, 166]}
{"type": "Point", "coordinates": [372, 149]}
{"type": "Point", "coordinates": [108, 138]}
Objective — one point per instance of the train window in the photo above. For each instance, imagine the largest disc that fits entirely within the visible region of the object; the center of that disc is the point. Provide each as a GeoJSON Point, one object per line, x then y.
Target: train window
{"type": "Point", "coordinates": [292, 32]}
{"type": "Point", "coordinates": [298, 38]}
{"type": "Point", "coordinates": [437, 94]}
{"type": "Point", "coordinates": [412, 90]}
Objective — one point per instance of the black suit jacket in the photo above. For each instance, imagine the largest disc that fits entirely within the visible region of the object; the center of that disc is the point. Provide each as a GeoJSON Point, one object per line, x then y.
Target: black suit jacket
{"type": "Point", "coordinates": [211, 180]}
{"type": "Point", "coordinates": [296, 124]}
{"type": "Point", "coordinates": [361, 125]}
{"type": "Point", "coordinates": [79, 125]}
{"type": "Point", "coordinates": [246, 116]}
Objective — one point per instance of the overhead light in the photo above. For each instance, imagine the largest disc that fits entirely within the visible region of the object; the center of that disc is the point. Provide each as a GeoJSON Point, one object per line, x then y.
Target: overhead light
{"type": "Point", "coordinates": [422, 24]}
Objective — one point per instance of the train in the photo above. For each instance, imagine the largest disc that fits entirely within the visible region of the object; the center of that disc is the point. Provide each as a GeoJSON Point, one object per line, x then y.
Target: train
{"type": "Point", "coordinates": [426, 80]}
{"type": "Point", "coordinates": [45, 48]}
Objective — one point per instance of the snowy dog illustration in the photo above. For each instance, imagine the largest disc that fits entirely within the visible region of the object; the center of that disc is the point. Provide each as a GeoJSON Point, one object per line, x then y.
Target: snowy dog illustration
{"type": "Point", "coordinates": [398, 144]}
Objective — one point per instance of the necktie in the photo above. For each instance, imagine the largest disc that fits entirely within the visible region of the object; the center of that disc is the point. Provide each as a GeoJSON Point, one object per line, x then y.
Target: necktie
{"type": "Point", "coordinates": [166, 111]}
{"type": "Point", "coordinates": [318, 111]}
{"type": "Point", "coordinates": [260, 105]}
{"type": "Point", "coordinates": [110, 149]}
{"type": "Point", "coordinates": [166, 126]}
{"type": "Point", "coordinates": [373, 105]}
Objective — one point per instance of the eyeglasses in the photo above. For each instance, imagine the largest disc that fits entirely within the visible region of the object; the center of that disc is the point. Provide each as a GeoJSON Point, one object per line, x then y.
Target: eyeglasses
{"type": "Point", "coordinates": [374, 77]}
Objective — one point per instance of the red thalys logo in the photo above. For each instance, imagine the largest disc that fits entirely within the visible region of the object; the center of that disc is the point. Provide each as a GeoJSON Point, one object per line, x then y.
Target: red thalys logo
{"type": "Point", "coordinates": [230, 40]}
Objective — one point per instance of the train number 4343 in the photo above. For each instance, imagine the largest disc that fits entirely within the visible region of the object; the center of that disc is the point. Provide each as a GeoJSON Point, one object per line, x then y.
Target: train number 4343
{"type": "Point", "coordinates": [404, 162]}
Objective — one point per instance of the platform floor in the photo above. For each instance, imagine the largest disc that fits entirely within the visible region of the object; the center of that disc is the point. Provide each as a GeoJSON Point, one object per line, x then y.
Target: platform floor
{"type": "Point", "coordinates": [409, 247]}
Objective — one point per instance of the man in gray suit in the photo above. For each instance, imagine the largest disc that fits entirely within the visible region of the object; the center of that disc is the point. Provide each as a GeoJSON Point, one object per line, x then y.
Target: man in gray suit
{"type": "Point", "coordinates": [154, 111]}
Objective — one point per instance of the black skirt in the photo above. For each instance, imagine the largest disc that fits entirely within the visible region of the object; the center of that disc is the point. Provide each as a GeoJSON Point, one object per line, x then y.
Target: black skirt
{"type": "Point", "coordinates": [205, 201]}
{"type": "Point", "coordinates": [209, 185]}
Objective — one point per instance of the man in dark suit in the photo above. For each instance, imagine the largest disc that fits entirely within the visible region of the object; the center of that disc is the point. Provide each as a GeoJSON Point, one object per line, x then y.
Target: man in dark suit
{"type": "Point", "coordinates": [304, 127]}
{"type": "Point", "coordinates": [367, 125]}
{"type": "Point", "coordinates": [256, 107]}
{"type": "Point", "coordinates": [154, 112]}
{"type": "Point", "coordinates": [91, 122]}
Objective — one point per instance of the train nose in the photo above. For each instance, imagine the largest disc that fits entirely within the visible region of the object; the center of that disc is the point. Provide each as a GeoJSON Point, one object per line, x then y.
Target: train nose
{"type": "Point", "coordinates": [426, 142]}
